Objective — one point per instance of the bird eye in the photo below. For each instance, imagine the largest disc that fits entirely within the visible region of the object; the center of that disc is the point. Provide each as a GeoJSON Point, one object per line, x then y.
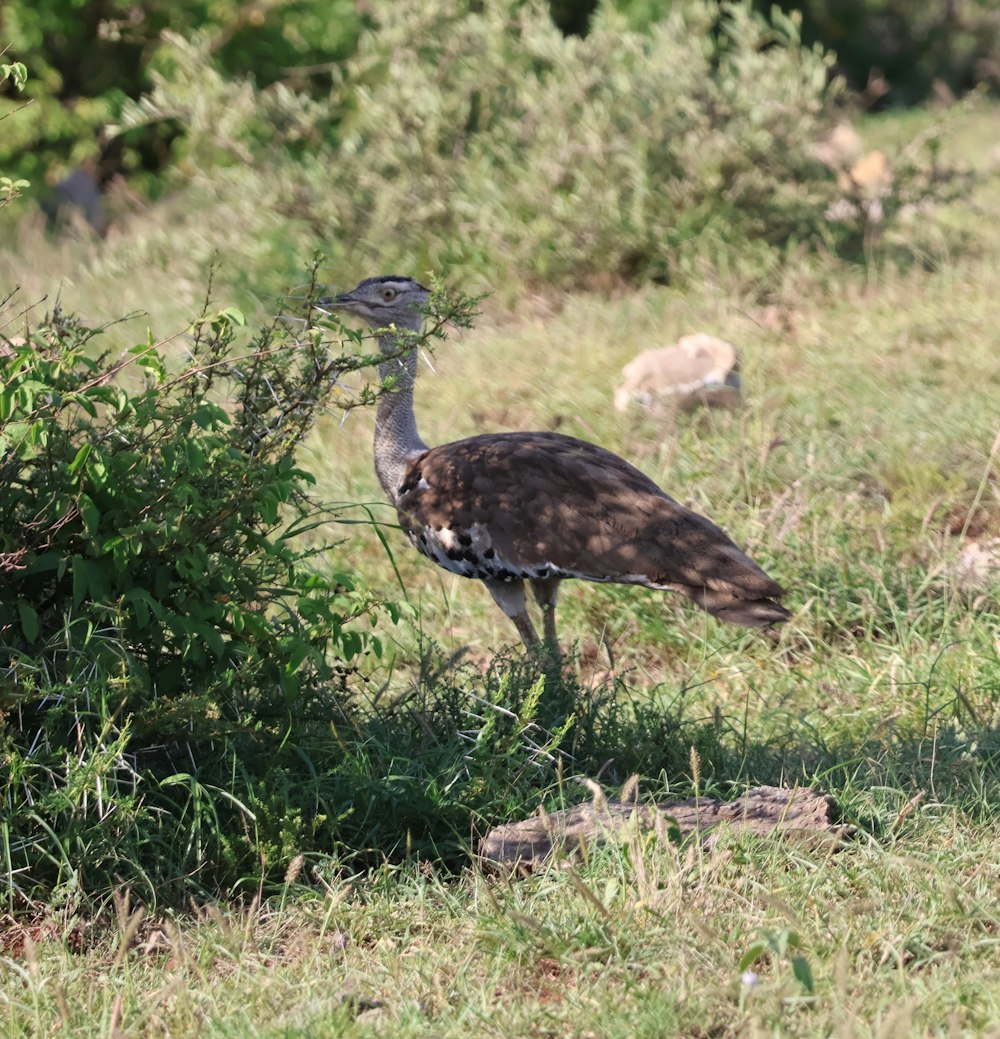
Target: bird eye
{"type": "Point", "coordinates": [388, 294]}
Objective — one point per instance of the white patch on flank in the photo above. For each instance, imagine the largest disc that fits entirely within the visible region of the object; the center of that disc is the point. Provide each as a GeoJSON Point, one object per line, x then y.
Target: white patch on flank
{"type": "Point", "coordinates": [445, 538]}
{"type": "Point", "coordinates": [438, 543]}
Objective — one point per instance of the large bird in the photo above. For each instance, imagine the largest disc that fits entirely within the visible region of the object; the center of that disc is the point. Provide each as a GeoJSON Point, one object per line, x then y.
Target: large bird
{"type": "Point", "coordinates": [539, 507]}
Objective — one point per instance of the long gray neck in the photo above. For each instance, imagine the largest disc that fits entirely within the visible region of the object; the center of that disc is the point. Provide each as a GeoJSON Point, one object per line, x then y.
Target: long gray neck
{"type": "Point", "coordinates": [397, 441]}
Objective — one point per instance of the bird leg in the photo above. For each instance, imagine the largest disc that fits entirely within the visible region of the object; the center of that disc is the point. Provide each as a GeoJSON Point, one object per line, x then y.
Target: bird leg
{"type": "Point", "coordinates": [545, 593]}
{"type": "Point", "coordinates": [509, 596]}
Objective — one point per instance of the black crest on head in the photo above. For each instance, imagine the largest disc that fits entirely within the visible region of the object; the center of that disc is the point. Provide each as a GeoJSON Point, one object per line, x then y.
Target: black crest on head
{"type": "Point", "coordinates": [383, 278]}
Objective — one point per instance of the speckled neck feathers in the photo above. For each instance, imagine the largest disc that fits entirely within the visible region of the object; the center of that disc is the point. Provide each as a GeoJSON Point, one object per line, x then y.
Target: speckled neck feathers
{"type": "Point", "coordinates": [397, 442]}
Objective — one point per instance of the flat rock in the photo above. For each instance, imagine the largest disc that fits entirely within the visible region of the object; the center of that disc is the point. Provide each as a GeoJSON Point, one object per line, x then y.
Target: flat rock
{"type": "Point", "coordinates": [697, 369]}
{"type": "Point", "coordinates": [763, 810]}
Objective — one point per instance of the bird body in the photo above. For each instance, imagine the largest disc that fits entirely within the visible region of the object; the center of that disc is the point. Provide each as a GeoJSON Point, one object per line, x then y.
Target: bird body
{"type": "Point", "coordinates": [540, 507]}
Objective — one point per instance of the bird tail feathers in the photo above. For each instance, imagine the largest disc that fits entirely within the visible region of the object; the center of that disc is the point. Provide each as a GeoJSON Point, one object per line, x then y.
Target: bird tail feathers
{"type": "Point", "coordinates": [751, 613]}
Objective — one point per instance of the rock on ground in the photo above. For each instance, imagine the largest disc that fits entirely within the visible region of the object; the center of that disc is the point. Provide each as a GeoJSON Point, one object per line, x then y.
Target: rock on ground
{"type": "Point", "coordinates": [763, 810]}
{"type": "Point", "coordinates": [697, 369]}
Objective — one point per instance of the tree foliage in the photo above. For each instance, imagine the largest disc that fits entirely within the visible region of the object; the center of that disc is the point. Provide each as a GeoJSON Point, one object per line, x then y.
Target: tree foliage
{"type": "Point", "coordinates": [87, 64]}
{"type": "Point", "coordinates": [87, 61]}
{"type": "Point", "coordinates": [639, 153]}
{"type": "Point", "coordinates": [917, 48]}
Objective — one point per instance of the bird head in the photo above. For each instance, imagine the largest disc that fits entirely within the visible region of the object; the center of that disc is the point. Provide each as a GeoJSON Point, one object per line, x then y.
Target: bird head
{"type": "Point", "coordinates": [385, 301]}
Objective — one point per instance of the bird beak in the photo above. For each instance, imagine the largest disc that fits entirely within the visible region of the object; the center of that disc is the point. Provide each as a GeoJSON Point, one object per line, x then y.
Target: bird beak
{"type": "Point", "coordinates": [342, 302]}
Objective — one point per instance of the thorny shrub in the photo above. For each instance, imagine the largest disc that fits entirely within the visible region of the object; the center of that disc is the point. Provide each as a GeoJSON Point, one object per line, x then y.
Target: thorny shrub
{"type": "Point", "coordinates": [168, 640]}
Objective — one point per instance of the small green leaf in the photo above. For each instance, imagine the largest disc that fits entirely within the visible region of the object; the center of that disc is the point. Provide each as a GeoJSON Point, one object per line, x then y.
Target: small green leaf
{"type": "Point", "coordinates": [90, 513]}
{"type": "Point", "coordinates": [89, 580]}
{"type": "Point", "coordinates": [146, 356]}
{"type": "Point", "coordinates": [300, 652]}
{"type": "Point", "coordinates": [29, 621]}
{"type": "Point", "coordinates": [233, 315]}
{"type": "Point", "coordinates": [214, 639]}
{"type": "Point", "coordinates": [79, 581]}
{"type": "Point", "coordinates": [46, 561]}
{"type": "Point", "coordinates": [16, 71]}
{"type": "Point", "coordinates": [195, 455]}
{"type": "Point", "coordinates": [803, 973]}
{"type": "Point", "coordinates": [80, 459]}
{"type": "Point", "coordinates": [143, 605]}
{"type": "Point", "coordinates": [752, 955]}
{"type": "Point", "coordinates": [208, 416]}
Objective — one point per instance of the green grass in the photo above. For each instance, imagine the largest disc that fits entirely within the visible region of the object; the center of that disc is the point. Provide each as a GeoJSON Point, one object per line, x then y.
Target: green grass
{"type": "Point", "coordinates": [898, 933]}
{"type": "Point", "coordinates": [861, 462]}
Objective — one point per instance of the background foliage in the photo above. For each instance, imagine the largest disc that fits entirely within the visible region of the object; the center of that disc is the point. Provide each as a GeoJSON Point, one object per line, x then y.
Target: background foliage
{"type": "Point", "coordinates": [491, 140]}
{"type": "Point", "coordinates": [90, 65]}
{"type": "Point", "coordinates": [918, 48]}
{"type": "Point", "coordinates": [444, 135]}
{"type": "Point", "coordinates": [87, 60]}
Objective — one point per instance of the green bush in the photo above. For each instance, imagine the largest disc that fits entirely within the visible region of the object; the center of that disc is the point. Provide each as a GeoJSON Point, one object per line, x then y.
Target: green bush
{"type": "Point", "coordinates": [160, 620]}
{"type": "Point", "coordinates": [489, 138]}
{"type": "Point", "coordinates": [166, 513]}
{"type": "Point", "coordinates": [485, 140]}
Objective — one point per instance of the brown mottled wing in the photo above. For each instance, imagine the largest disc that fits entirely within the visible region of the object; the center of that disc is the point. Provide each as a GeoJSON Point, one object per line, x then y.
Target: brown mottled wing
{"type": "Point", "coordinates": [542, 504]}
